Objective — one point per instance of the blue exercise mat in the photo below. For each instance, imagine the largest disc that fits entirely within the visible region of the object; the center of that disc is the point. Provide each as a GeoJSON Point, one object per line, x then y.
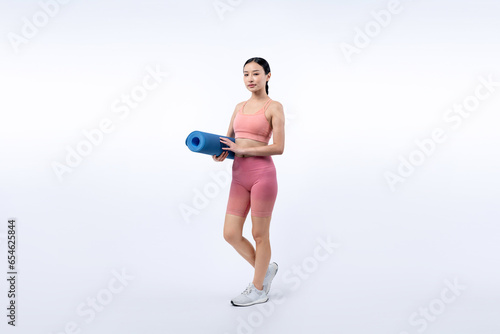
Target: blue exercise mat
{"type": "Point", "coordinates": [207, 143]}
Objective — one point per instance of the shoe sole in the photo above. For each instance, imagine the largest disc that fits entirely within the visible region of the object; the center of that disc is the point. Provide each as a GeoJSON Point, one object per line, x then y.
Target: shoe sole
{"type": "Point", "coordinates": [250, 304]}
{"type": "Point", "coordinates": [269, 287]}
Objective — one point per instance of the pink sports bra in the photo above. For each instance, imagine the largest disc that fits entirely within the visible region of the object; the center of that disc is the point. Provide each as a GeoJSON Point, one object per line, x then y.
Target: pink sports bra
{"type": "Point", "coordinates": [253, 126]}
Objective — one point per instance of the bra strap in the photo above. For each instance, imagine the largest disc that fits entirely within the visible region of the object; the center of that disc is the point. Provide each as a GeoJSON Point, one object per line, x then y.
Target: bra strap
{"type": "Point", "coordinates": [267, 104]}
{"type": "Point", "coordinates": [258, 112]}
{"type": "Point", "coordinates": [243, 106]}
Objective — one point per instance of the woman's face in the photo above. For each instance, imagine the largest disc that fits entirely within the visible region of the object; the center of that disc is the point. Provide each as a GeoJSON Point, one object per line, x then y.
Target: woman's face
{"type": "Point", "coordinates": [254, 77]}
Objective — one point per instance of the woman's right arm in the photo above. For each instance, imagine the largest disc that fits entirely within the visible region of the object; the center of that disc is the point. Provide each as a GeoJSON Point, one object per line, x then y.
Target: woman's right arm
{"type": "Point", "coordinates": [230, 133]}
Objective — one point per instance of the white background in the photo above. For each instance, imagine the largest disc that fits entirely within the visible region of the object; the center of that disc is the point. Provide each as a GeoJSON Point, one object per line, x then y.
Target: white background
{"type": "Point", "coordinates": [348, 123]}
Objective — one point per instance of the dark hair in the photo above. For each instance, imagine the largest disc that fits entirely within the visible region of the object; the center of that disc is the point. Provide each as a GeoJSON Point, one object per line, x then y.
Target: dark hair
{"type": "Point", "coordinates": [265, 65]}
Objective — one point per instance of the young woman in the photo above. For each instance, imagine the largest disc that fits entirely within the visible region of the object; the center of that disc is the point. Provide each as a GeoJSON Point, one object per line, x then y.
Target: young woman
{"type": "Point", "coordinates": [254, 183]}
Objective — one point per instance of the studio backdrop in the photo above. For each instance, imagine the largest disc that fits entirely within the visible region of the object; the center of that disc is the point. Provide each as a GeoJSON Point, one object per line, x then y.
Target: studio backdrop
{"type": "Point", "coordinates": [386, 218]}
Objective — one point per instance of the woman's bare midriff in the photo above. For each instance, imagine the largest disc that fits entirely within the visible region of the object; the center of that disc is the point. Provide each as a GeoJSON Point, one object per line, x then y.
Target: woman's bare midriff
{"type": "Point", "coordinates": [244, 142]}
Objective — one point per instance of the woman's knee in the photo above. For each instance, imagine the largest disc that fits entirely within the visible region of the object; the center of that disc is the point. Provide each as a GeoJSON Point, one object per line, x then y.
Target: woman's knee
{"type": "Point", "coordinates": [233, 228]}
{"type": "Point", "coordinates": [232, 236]}
{"type": "Point", "coordinates": [260, 229]}
{"type": "Point", "coordinates": [260, 236]}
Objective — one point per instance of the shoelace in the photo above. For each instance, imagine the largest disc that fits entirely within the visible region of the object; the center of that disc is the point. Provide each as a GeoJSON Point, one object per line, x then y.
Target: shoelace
{"type": "Point", "coordinates": [247, 290]}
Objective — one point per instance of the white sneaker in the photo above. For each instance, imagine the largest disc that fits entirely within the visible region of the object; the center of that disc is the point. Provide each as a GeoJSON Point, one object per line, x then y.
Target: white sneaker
{"type": "Point", "coordinates": [271, 272]}
{"type": "Point", "coordinates": [250, 296]}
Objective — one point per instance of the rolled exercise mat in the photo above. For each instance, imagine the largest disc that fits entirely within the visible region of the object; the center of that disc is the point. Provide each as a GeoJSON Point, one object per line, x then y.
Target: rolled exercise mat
{"type": "Point", "coordinates": [207, 143]}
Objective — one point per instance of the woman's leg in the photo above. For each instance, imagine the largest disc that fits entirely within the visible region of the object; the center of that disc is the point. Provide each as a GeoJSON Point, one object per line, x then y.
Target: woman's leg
{"type": "Point", "coordinates": [258, 258]}
{"type": "Point", "coordinates": [233, 233]}
{"type": "Point", "coordinates": [259, 177]}
{"type": "Point", "coordinates": [238, 206]}
{"type": "Point", "coordinates": [260, 232]}
{"type": "Point", "coordinates": [263, 196]}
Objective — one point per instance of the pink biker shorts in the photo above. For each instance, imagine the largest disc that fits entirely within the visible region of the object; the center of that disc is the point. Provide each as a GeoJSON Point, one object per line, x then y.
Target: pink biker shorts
{"type": "Point", "coordinates": [254, 185]}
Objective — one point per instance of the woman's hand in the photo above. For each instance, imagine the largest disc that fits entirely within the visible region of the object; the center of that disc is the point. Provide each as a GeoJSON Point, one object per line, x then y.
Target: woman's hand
{"type": "Point", "coordinates": [221, 156]}
{"type": "Point", "coordinates": [232, 146]}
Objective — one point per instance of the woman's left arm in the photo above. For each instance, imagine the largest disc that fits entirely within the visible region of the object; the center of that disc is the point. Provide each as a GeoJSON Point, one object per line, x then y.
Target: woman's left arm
{"type": "Point", "coordinates": [278, 145]}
